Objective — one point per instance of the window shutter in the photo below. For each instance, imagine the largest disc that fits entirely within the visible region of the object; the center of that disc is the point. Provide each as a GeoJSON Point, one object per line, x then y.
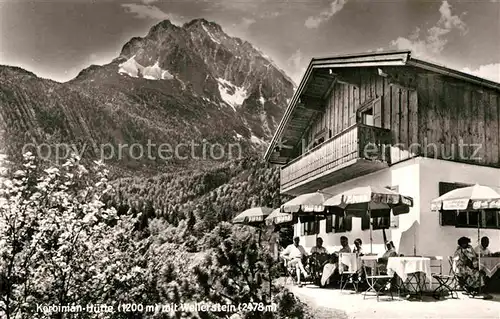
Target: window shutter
{"type": "Point", "coordinates": [348, 223]}
{"type": "Point", "coordinates": [316, 227]}
{"type": "Point", "coordinates": [329, 224]}
{"type": "Point", "coordinates": [449, 218]}
{"type": "Point", "coordinates": [365, 222]}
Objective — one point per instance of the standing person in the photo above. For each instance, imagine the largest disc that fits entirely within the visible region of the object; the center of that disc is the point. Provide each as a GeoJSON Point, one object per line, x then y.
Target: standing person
{"type": "Point", "coordinates": [294, 254]}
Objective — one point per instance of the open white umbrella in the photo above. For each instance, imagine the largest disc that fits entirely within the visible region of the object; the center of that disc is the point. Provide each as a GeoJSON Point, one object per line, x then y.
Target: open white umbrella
{"type": "Point", "coordinates": [476, 198]}
{"type": "Point", "coordinates": [253, 217]}
{"type": "Point", "coordinates": [306, 203]}
{"type": "Point", "coordinates": [307, 206]}
{"type": "Point", "coordinates": [371, 200]}
{"type": "Point", "coordinates": [277, 218]}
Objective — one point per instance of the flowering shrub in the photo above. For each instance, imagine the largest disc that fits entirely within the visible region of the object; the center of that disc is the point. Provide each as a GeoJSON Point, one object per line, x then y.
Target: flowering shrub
{"type": "Point", "coordinates": [59, 243]}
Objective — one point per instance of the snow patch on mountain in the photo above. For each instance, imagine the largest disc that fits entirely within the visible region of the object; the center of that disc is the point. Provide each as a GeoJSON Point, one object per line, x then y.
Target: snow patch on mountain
{"type": "Point", "coordinates": [231, 94]}
{"type": "Point", "coordinates": [131, 68]}
{"type": "Point", "coordinates": [212, 37]}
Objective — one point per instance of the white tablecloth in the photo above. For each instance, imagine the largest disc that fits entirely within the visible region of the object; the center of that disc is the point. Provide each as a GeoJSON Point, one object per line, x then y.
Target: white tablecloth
{"type": "Point", "coordinates": [490, 265]}
{"type": "Point", "coordinates": [403, 266]}
{"type": "Point", "coordinates": [350, 260]}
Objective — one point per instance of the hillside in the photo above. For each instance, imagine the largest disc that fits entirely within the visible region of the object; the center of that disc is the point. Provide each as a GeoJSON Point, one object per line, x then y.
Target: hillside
{"type": "Point", "coordinates": [177, 85]}
{"type": "Point", "coordinates": [197, 203]}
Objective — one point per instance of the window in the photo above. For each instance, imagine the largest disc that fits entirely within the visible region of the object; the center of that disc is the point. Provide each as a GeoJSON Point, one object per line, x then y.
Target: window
{"type": "Point", "coordinates": [491, 219]}
{"type": "Point", "coordinates": [381, 222]}
{"type": "Point", "coordinates": [486, 219]}
{"type": "Point", "coordinates": [338, 224]}
{"type": "Point", "coordinates": [310, 228]}
{"type": "Point", "coordinates": [367, 116]}
{"type": "Point", "coordinates": [365, 222]}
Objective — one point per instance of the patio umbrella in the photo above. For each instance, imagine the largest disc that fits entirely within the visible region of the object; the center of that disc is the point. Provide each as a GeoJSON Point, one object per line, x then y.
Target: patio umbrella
{"type": "Point", "coordinates": [371, 200]}
{"type": "Point", "coordinates": [306, 203]}
{"type": "Point", "coordinates": [253, 217]}
{"type": "Point", "coordinates": [476, 198]}
{"type": "Point", "coordinates": [277, 218]}
{"type": "Point", "coordinates": [307, 206]}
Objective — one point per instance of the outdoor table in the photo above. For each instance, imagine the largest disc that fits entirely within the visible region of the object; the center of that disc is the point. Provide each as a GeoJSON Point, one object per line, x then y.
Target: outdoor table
{"type": "Point", "coordinates": [351, 260]}
{"type": "Point", "coordinates": [490, 265]}
{"type": "Point", "coordinates": [409, 268]}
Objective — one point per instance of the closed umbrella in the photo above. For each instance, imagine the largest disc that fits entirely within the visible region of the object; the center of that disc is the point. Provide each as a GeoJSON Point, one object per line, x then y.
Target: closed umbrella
{"type": "Point", "coordinates": [371, 200]}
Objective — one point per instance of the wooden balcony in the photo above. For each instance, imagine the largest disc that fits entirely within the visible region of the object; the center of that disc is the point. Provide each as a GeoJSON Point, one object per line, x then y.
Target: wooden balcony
{"type": "Point", "coordinates": [357, 151]}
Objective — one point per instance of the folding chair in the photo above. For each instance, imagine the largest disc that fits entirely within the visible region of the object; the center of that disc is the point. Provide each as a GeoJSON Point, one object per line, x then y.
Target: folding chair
{"type": "Point", "coordinates": [349, 275]}
{"type": "Point", "coordinates": [373, 278]}
{"type": "Point", "coordinates": [446, 283]}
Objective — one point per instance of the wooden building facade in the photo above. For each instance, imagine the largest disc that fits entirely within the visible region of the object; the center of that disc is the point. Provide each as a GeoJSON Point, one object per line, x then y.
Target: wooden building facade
{"type": "Point", "coordinates": [353, 115]}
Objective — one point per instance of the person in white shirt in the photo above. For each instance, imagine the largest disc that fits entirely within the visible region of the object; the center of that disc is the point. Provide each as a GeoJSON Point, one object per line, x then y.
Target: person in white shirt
{"type": "Point", "coordinates": [331, 267]}
{"type": "Point", "coordinates": [482, 249]}
{"type": "Point", "coordinates": [294, 254]}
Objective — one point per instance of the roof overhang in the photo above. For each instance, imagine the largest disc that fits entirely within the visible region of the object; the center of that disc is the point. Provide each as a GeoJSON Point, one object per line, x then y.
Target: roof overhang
{"type": "Point", "coordinates": [371, 59]}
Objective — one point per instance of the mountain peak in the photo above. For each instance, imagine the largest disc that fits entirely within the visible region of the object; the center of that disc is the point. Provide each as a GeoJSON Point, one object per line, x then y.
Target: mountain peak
{"type": "Point", "coordinates": [201, 22]}
{"type": "Point", "coordinates": [163, 25]}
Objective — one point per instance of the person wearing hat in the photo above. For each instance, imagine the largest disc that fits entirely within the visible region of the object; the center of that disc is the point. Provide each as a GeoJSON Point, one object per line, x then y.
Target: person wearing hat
{"type": "Point", "coordinates": [467, 268]}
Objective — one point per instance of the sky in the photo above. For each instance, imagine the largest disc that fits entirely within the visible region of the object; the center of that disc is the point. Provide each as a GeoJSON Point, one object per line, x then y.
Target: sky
{"type": "Point", "coordinates": [57, 38]}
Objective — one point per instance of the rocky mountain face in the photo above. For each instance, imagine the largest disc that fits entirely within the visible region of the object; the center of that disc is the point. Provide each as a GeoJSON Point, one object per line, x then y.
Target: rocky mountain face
{"type": "Point", "coordinates": [168, 98]}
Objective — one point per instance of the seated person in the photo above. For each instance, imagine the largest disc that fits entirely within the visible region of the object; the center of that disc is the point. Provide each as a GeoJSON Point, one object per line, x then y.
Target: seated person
{"type": "Point", "coordinates": [331, 267]}
{"type": "Point", "coordinates": [319, 257]}
{"type": "Point", "coordinates": [482, 249]}
{"type": "Point", "coordinates": [382, 261]}
{"type": "Point", "coordinates": [319, 249]}
{"type": "Point", "coordinates": [467, 267]}
{"type": "Point", "coordinates": [357, 247]}
{"type": "Point", "coordinates": [294, 254]}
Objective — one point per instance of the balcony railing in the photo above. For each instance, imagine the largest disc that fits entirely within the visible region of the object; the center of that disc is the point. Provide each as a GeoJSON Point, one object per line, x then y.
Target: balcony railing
{"type": "Point", "coordinates": [359, 142]}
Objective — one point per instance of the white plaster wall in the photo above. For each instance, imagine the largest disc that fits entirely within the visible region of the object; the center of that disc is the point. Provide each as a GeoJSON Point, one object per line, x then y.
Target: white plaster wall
{"type": "Point", "coordinates": [405, 175]}
{"type": "Point", "coordinates": [420, 228]}
{"type": "Point", "coordinates": [435, 239]}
